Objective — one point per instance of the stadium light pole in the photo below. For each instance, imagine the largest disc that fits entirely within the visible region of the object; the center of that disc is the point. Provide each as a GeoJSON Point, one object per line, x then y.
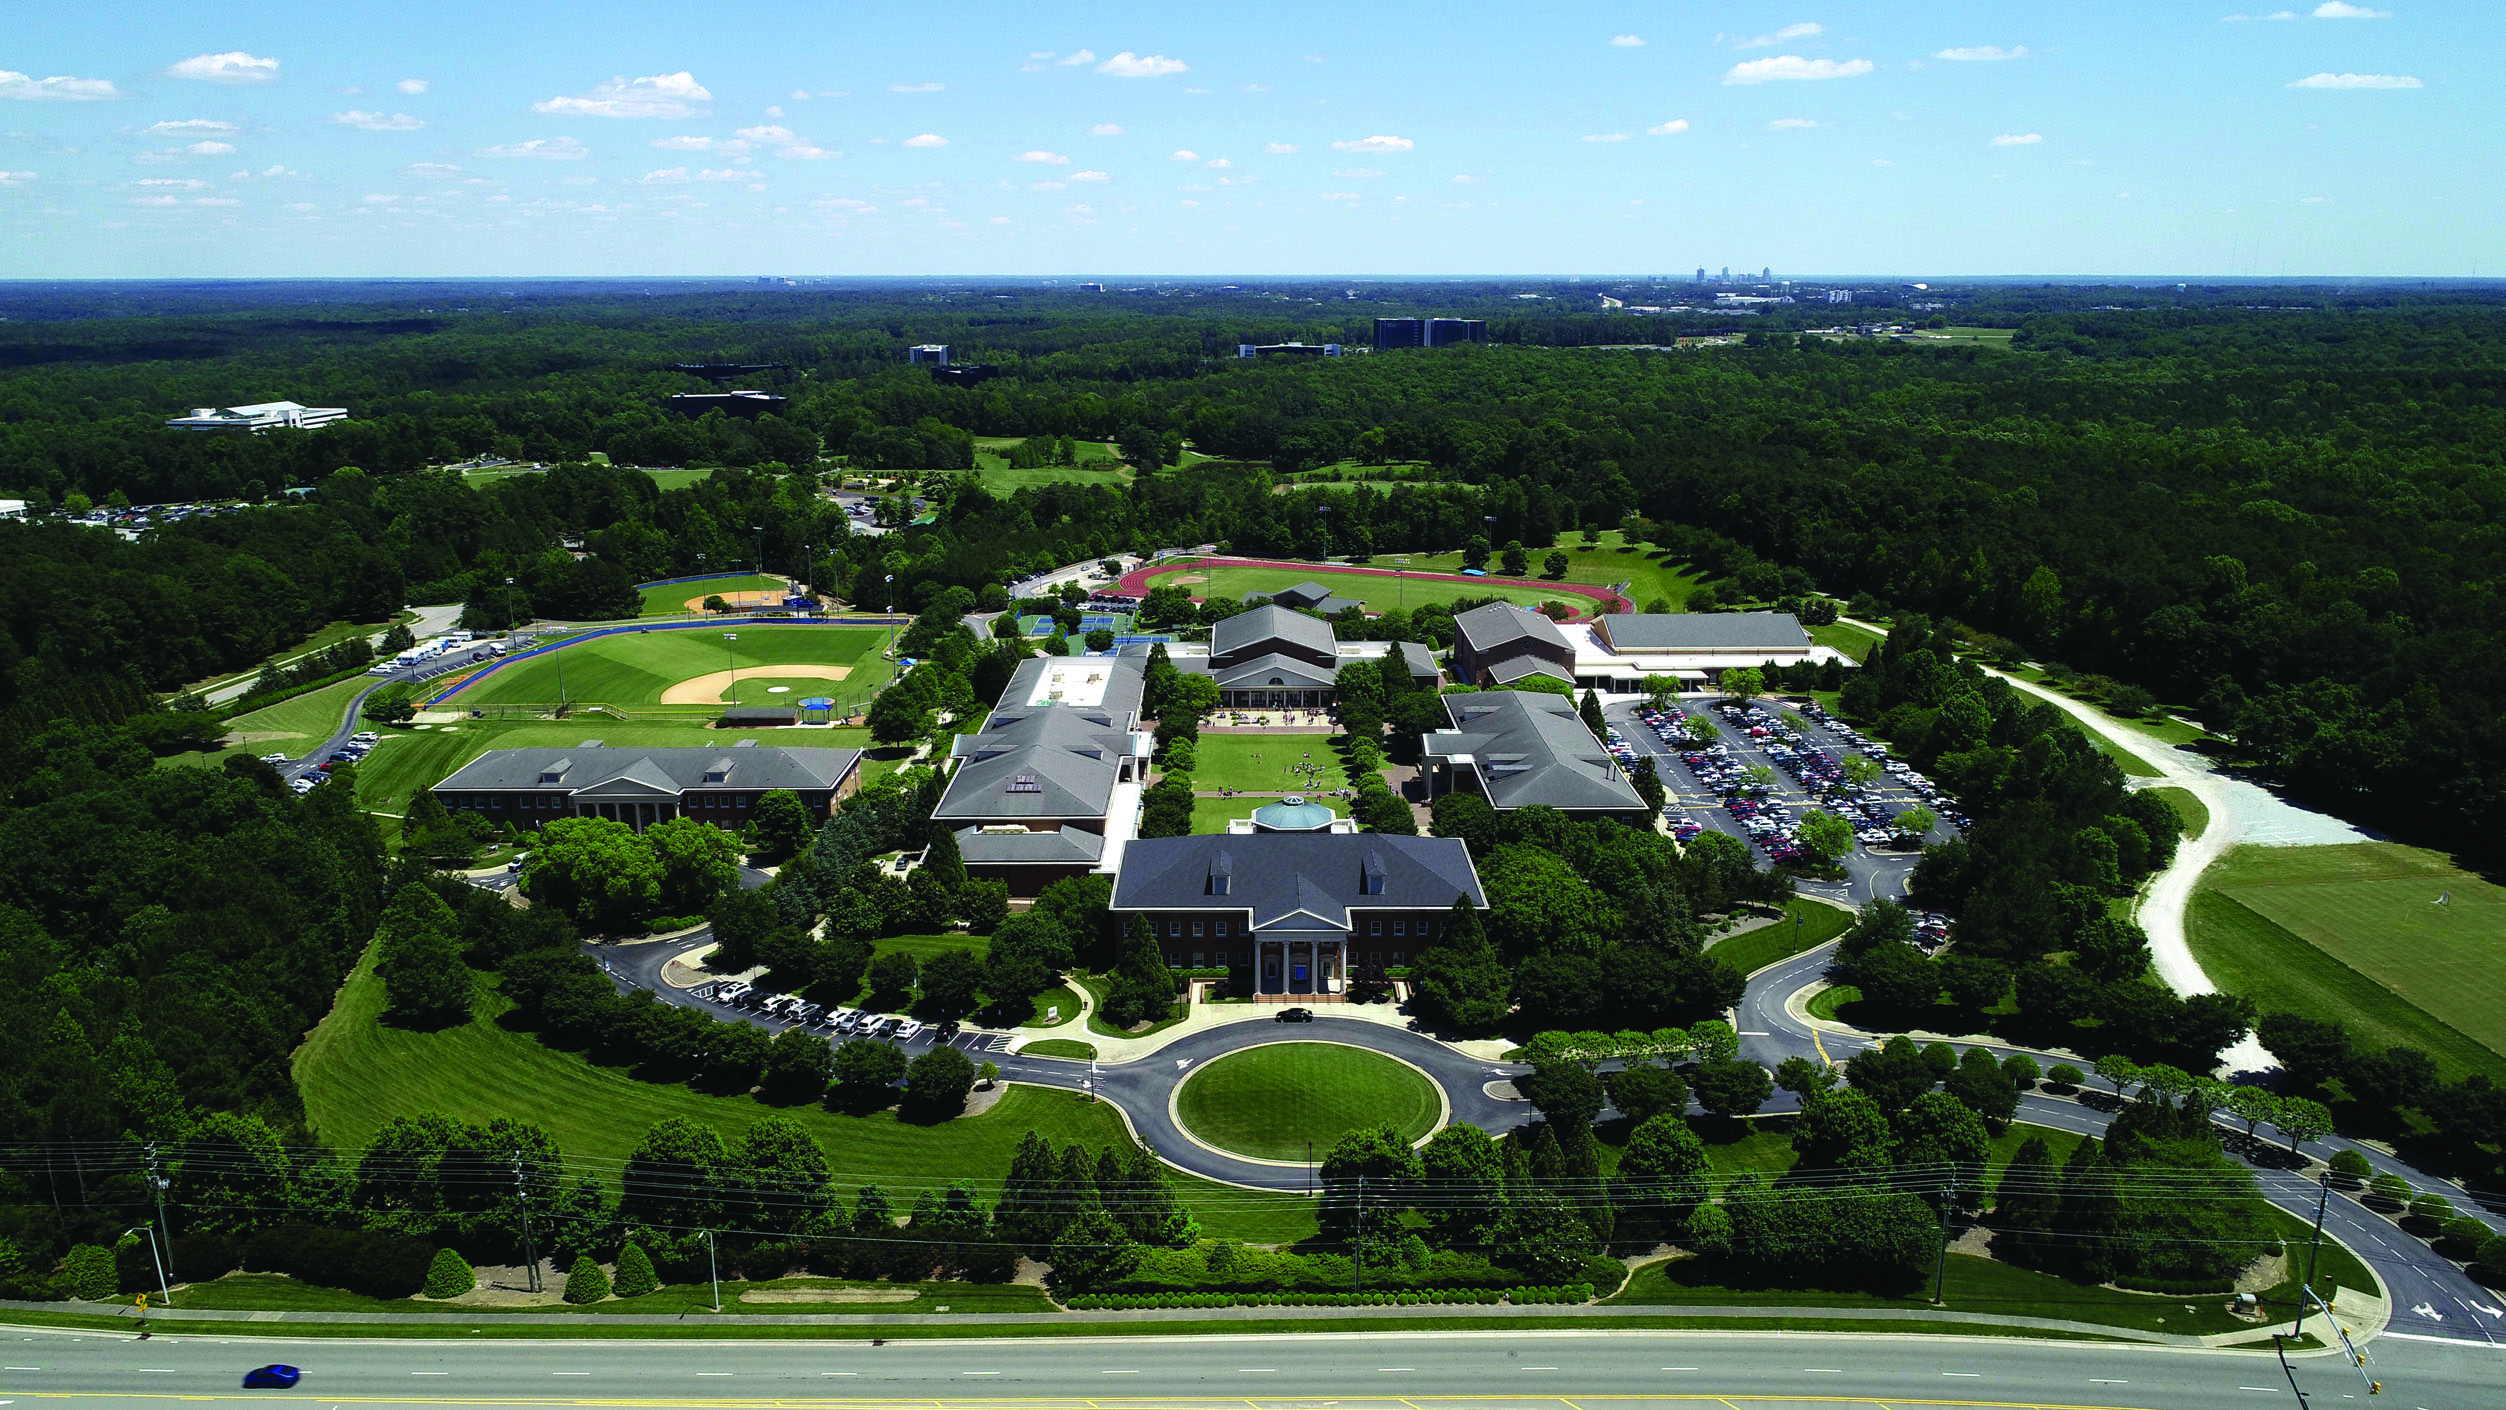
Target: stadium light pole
{"type": "Point", "coordinates": [761, 549]}
{"type": "Point", "coordinates": [731, 653]}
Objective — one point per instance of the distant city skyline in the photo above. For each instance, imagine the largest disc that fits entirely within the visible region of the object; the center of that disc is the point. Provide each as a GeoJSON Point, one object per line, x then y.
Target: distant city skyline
{"type": "Point", "coordinates": [2334, 139]}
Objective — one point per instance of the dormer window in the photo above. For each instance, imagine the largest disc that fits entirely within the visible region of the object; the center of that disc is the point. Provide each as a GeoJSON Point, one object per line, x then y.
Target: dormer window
{"type": "Point", "coordinates": [1024, 783]}
{"type": "Point", "coordinates": [556, 772]}
{"type": "Point", "coordinates": [1221, 873]}
{"type": "Point", "coordinates": [1370, 882]}
{"type": "Point", "coordinates": [718, 770]}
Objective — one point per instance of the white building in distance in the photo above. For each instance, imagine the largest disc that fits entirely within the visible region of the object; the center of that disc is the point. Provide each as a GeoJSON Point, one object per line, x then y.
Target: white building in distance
{"type": "Point", "coordinates": [261, 416]}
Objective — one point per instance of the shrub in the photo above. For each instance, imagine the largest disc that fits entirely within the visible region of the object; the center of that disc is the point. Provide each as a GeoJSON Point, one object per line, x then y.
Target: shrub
{"type": "Point", "coordinates": [2349, 1170]}
{"type": "Point", "coordinates": [88, 1273]}
{"type": "Point", "coordinates": [635, 1273]}
{"type": "Point", "coordinates": [2063, 1077]}
{"type": "Point", "coordinates": [2434, 1209]}
{"type": "Point", "coordinates": [2021, 1070]}
{"type": "Point", "coordinates": [585, 1283]}
{"type": "Point", "coordinates": [2388, 1191]}
{"type": "Point", "coordinates": [449, 1275]}
{"type": "Point", "coordinates": [372, 1262]}
{"type": "Point", "coordinates": [2465, 1237]}
{"type": "Point", "coordinates": [2491, 1263]}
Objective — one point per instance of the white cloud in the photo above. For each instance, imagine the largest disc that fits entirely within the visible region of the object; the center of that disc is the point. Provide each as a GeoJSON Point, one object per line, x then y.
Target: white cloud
{"type": "Point", "coordinates": [1793, 66]}
{"type": "Point", "coordinates": [926, 139]}
{"type": "Point", "coordinates": [381, 200]}
{"type": "Point", "coordinates": [661, 95]}
{"type": "Point", "coordinates": [235, 66]}
{"type": "Point", "coordinates": [1106, 129]}
{"type": "Point", "coordinates": [1219, 162]}
{"type": "Point", "coordinates": [1626, 41]}
{"type": "Point", "coordinates": [215, 201]}
{"type": "Point", "coordinates": [781, 141]}
{"type": "Point", "coordinates": [156, 200]}
{"type": "Point", "coordinates": [2335, 10]}
{"type": "Point", "coordinates": [186, 125]}
{"type": "Point", "coordinates": [180, 183]}
{"type": "Point", "coordinates": [1791, 124]}
{"type": "Point", "coordinates": [731, 174]}
{"type": "Point", "coordinates": [431, 171]}
{"type": "Point", "coordinates": [1672, 128]}
{"type": "Point", "coordinates": [1129, 65]}
{"type": "Point", "coordinates": [1185, 154]}
{"type": "Point", "coordinates": [56, 89]}
{"type": "Point", "coordinates": [1077, 57]}
{"type": "Point", "coordinates": [1041, 157]}
{"type": "Point", "coordinates": [1279, 149]}
{"type": "Point", "coordinates": [2314, 200]}
{"type": "Point", "coordinates": [1092, 177]}
{"type": "Point", "coordinates": [1257, 88]}
{"type": "Point", "coordinates": [1881, 161]}
{"type": "Point", "coordinates": [2019, 139]}
{"type": "Point", "coordinates": [917, 87]}
{"type": "Point", "coordinates": [665, 176]}
{"type": "Point", "coordinates": [1803, 30]}
{"type": "Point", "coordinates": [2357, 80]}
{"type": "Point", "coordinates": [413, 86]}
{"type": "Point", "coordinates": [1605, 136]}
{"type": "Point", "coordinates": [1339, 195]}
{"type": "Point", "coordinates": [377, 122]}
{"type": "Point", "coordinates": [1378, 143]}
{"type": "Point", "coordinates": [546, 149]}
{"type": "Point", "coordinates": [15, 178]}
{"type": "Point", "coordinates": [273, 172]}
{"type": "Point", "coordinates": [211, 149]}
{"type": "Point", "coordinates": [684, 143]}
{"type": "Point", "coordinates": [1982, 54]}
{"type": "Point", "coordinates": [1467, 179]}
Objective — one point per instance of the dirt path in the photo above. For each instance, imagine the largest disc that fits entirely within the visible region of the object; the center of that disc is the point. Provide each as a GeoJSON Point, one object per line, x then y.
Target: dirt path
{"type": "Point", "coordinates": [708, 689]}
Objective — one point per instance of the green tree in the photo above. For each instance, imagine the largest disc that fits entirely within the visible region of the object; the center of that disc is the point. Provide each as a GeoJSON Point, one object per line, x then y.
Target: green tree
{"type": "Point", "coordinates": [1590, 711]}
{"type": "Point", "coordinates": [785, 1177]}
{"type": "Point", "coordinates": [1744, 683]}
{"type": "Point", "coordinates": [88, 1273]}
{"type": "Point", "coordinates": [937, 1083]}
{"type": "Point", "coordinates": [1731, 1087]}
{"type": "Point", "coordinates": [1460, 984]}
{"type": "Point", "coordinates": [1092, 1250]}
{"type": "Point", "coordinates": [1643, 1090]}
{"type": "Point", "coordinates": [1648, 783]}
{"type": "Point", "coordinates": [1536, 904]}
{"type": "Point", "coordinates": [1543, 1236]}
{"type": "Point", "coordinates": [1939, 1134]}
{"type": "Point", "coordinates": [1513, 561]}
{"type": "Point", "coordinates": [1556, 565]}
{"type": "Point", "coordinates": [951, 981]}
{"type": "Point", "coordinates": [798, 1064]}
{"type": "Point", "coordinates": [866, 1074]}
{"type": "Point", "coordinates": [1843, 1130]}
{"type": "Point", "coordinates": [1662, 693]}
{"type": "Point", "coordinates": [1565, 1092]}
{"type": "Point", "coordinates": [1665, 1165]}
{"type": "Point", "coordinates": [1142, 989]}
{"type": "Point", "coordinates": [698, 862]}
{"type": "Point", "coordinates": [418, 956]}
{"type": "Point", "coordinates": [596, 870]}
{"type": "Point", "coordinates": [1982, 1086]}
{"type": "Point", "coordinates": [676, 1177]}
{"type": "Point", "coordinates": [780, 828]}
{"type": "Point", "coordinates": [585, 1283]}
{"type": "Point", "coordinates": [1915, 822]}
{"type": "Point", "coordinates": [1825, 834]}
{"type": "Point", "coordinates": [449, 1275]}
{"type": "Point", "coordinates": [1461, 1186]}
{"type": "Point", "coordinates": [1475, 552]}
{"type": "Point", "coordinates": [892, 976]}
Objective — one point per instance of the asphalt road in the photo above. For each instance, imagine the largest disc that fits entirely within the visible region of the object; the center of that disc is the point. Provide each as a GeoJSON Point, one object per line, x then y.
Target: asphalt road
{"type": "Point", "coordinates": [1349, 1371]}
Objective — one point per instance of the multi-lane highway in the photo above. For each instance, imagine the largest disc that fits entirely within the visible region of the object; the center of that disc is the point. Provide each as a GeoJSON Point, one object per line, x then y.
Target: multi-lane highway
{"type": "Point", "coordinates": [1344, 1371]}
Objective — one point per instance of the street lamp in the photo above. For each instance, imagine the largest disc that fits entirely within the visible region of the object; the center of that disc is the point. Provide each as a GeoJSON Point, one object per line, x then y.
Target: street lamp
{"type": "Point", "coordinates": [164, 1288]}
{"type": "Point", "coordinates": [713, 1265]}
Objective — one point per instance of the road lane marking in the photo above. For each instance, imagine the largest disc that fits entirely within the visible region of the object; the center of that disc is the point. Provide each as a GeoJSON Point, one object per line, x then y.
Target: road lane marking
{"type": "Point", "coordinates": [1679, 1368]}
{"type": "Point", "coordinates": [713, 1373]}
{"type": "Point", "coordinates": [1969, 1374]}
{"type": "Point", "coordinates": [839, 1373]}
{"type": "Point", "coordinates": [978, 1373]}
{"type": "Point", "coordinates": [430, 1373]}
{"type": "Point", "coordinates": [1823, 1370]}
{"type": "Point", "coordinates": [2267, 1390]}
{"type": "Point", "coordinates": [1256, 1370]}
{"type": "Point", "coordinates": [1101, 1373]}
{"type": "Point", "coordinates": [167, 1371]}
{"type": "Point", "coordinates": [2102, 1381]}
{"type": "Point", "coordinates": [1535, 1368]}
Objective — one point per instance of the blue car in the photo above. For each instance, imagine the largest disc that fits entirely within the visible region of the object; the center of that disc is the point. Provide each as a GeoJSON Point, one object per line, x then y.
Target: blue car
{"type": "Point", "coordinates": [272, 1378]}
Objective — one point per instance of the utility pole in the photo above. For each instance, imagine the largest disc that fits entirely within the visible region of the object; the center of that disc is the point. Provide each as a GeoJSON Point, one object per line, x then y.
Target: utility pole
{"type": "Point", "coordinates": [1357, 1236]}
{"type": "Point", "coordinates": [164, 1287]}
{"type": "Point", "coordinates": [1940, 1270]}
{"type": "Point", "coordinates": [713, 1266]}
{"type": "Point", "coordinates": [530, 1250]}
{"type": "Point", "coordinates": [2323, 1193]}
{"type": "Point", "coordinates": [157, 1186]}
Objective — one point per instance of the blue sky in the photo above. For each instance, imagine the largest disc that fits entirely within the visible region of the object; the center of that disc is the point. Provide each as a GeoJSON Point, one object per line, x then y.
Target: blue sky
{"type": "Point", "coordinates": [528, 138]}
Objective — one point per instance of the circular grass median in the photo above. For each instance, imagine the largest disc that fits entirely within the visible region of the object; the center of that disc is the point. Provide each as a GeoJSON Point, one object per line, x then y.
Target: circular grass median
{"type": "Point", "coordinates": [1269, 1102]}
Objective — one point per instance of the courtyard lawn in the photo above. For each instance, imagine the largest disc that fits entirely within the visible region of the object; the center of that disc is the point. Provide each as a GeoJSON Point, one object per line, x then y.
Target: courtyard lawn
{"type": "Point", "coordinates": [2353, 933]}
{"type": "Point", "coordinates": [1279, 1101]}
{"type": "Point", "coordinates": [1211, 815]}
{"type": "Point", "coordinates": [1260, 763]}
{"type": "Point", "coordinates": [631, 669]}
{"type": "Point", "coordinates": [356, 1073]}
{"type": "Point", "coordinates": [671, 599]}
{"type": "Point", "coordinates": [406, 760]}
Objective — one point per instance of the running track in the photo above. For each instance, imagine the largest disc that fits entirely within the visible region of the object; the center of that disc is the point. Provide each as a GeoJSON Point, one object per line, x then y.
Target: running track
{"type": "Point", "coordinates": [1136, 582]}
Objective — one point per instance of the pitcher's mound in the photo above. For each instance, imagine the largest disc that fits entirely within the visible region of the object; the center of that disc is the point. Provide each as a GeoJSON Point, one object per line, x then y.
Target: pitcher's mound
{"type": "Point", "coordinates": [708, 689]}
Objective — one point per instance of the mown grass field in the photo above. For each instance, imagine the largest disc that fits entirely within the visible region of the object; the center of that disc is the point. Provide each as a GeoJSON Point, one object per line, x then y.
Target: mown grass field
{"type": "Point", "coordinates": [2191, 814]}
{"type": "Point", "coordinates": [1381, 592]}
{"type": "Point", "coordinates": [2353, 933]}
{"type": "Point", "coordinates": [1754, 950]}
{"type": "Point", "coordinates": [1648, 572]}
{"type": "Point", "coordinates": [357, 1072]}
{"type": "Point", "coordinates": [1277, 1101]}
{"type": "Point", "coordinates": [408, 760]}
{"type": "Point", "coordinates": [1097, 465]}
{"type": "Point", "coordinates": [670, 599]}
{"type": "Point", "coordinates": [1261, 762]}
{"type": "Point", "coordinates": [289, 727]}
{"type": "Point", "coordinates": [635, 668]}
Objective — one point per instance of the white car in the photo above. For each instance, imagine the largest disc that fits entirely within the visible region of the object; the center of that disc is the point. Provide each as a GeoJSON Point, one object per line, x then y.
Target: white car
{"type": "Point", "coordinates": [909, 1030]}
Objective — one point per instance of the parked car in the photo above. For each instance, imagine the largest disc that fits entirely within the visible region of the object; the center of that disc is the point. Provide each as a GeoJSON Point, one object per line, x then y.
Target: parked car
{"type": "Point", "coordinates": [909, 1030]}
{"type": "Point", "coordinates": [1293, 1015]}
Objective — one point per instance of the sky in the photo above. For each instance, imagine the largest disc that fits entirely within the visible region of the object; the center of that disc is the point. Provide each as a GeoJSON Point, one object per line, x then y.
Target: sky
{"type": "Point", "coordinates": [538, 138]}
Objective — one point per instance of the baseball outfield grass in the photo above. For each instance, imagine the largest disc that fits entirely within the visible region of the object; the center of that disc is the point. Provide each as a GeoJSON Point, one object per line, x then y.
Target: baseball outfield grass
{"type": "Point", "coordinates": [2394, 942]}
{"type": "Point", "coordinates": [671, 599]}
{"type": "Point", "coordinates": [356, 1072]}
{"type": "Point", "coordinates": [1280, 1100]}
{"type": "Point", "coordinates": [644, 667]}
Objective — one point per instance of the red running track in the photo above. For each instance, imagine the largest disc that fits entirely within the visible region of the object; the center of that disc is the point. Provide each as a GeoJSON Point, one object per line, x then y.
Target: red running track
{"type": "Point", "coordinates": [1136, 582]}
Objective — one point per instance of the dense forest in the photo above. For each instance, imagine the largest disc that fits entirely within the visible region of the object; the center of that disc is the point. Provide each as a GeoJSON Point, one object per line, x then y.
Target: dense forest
{"type": "Point", "coordinates": [2283, 519]}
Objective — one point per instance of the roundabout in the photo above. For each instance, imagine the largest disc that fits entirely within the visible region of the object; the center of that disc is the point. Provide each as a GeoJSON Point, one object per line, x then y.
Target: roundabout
{"type": "Point", "coordinates": [1290, 1102]}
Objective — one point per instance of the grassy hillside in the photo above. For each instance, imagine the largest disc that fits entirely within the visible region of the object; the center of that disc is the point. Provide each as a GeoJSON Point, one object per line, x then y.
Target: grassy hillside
{"type": "Point", "coordinates": [356, 1072]}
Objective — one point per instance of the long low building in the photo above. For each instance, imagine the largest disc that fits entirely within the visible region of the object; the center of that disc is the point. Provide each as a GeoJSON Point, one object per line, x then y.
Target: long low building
{"type": "Point", "coordinates": [1050, 787]}
{"type": "Point", "coordinates": [640, 787]}
{"type": "Point", "coordinates": [1299, 908]}
{"type": "Point", "coordinates": [260, 416]}
{"type": "Point", "coordinates": [1520, 748]}
{"type": "Point", "coordinates": [1615, 653]}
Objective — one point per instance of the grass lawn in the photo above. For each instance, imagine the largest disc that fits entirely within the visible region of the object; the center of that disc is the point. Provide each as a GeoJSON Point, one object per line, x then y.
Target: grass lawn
{"type": "Point", "coordinates": [291, 726]}
{"type": "Point", "coordinates": [1097, 465]}
{"type": "Point", "coordinates": [1755, 950]}
{"type": "Point", "coordinates": [671, 599]}
{"type": "Point", "coordinates": [329, 635]}
{"type": "Point", "coordinates": [1260, 763]}
{"type": "Point", "coordinates": [2352, 933]}
{"type": "Point", "coordinates": [1060, 1048]}
{"type": "Point", "coordinates": [356, 1073]}
{"type": "Point", "coordinates": [1972, 1284]}
{"type": "Point", "coordinates": [1096, 986]}
{"type": "Point", "coordinates": [1381, 592]}
{"type": "Point", "coordinates": [634, 668]}
{"type": "Point", "coordinates": [678, 479]}
{"type": "Point", "coordinates": [1649, 572]}
{"type": "Point", "coordinates": [2193, 817]}
{"type": "Point", "coordinates": [1856, 642]}
{"type": "Point", "coordinates": [1211, 815]}
{"type": "Point", "coordinates": [1827, 1001]}
{"type": "Point", "coordinates": [1279, 1101]}
{"type": "Point", "coordinates": [274, 1292]}
{"type": "Point", "coordinates": [406, 760]}
{"type": "Point", "coordinates": [1060, 996]}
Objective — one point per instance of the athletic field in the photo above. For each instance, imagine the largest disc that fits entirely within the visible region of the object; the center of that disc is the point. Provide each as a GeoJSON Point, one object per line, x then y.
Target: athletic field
{"type": "Point", "coordinates": [679, 599]}
{"type": "Point", "coordinates": [1376, 585]}
{"type": "Point", "coordinates": [2356, 933]}
{"type": "Point", "coordinates": [693, 666]}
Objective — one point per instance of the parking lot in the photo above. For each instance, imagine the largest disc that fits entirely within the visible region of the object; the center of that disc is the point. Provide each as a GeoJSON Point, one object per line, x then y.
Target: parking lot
{"type": "Point", "coordinates": [1767, 764]}
{"type": "Point", "coordinates": [776, 1011]}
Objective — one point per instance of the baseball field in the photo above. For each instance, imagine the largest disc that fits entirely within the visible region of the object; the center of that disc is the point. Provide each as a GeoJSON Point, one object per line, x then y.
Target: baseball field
{"type": "Point", "coordinates": [738, 663]}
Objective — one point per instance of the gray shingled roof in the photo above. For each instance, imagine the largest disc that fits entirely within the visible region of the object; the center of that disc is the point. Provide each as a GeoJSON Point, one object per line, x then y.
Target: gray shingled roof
{"type": "Point", "coordinates": [1053, 761]}
{"type": "Point", "coordinates": [1278, 875]}
{"type": "Point", "coordinates": [1500, 622]}
{"type": "Point", "coordinates": [1773, 632]}
{"type": "Point", "coordinates": [1065, 845]}
{"type": "Point", "coordinates": [1533, 749]}
{"type": "Point", "coordinates": [1515, 668]}
{"type": "Point", "coordinates": [1289, 672]}
{"type": "Point", "coordinates": [589, 767]}
{"type": "Point", "coordinates": [1249, 630]}
{"type": "Point", "coordinates": [1420, 659]}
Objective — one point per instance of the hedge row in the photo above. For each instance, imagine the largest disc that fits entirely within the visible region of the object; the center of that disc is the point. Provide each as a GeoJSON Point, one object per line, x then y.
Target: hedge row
{"type": "Point", "coordinates": [1128, 1302]}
